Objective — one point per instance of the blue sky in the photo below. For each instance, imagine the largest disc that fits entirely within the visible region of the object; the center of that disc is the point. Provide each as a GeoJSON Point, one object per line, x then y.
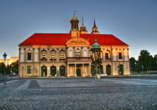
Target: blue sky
{"type": "Point", "coordinates": [132, 21]}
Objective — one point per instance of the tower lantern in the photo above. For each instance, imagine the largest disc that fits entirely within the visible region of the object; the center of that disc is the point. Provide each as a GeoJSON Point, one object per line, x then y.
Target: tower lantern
{"type": "Point", "coordinates": [75, 26]}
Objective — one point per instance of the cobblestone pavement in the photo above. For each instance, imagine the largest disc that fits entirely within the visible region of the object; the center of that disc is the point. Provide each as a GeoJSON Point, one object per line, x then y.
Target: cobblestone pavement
{"type": "Point", "coordinates": [79, 94]}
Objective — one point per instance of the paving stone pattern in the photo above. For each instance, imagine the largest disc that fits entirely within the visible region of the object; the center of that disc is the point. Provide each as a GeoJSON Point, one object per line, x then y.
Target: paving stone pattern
{"type": "Point", "coordinates": [79, 94]}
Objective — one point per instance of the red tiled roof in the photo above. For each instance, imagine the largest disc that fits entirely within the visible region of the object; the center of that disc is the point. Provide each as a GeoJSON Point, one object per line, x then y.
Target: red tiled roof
{"type": "Point", "coordinates": [60, 39]}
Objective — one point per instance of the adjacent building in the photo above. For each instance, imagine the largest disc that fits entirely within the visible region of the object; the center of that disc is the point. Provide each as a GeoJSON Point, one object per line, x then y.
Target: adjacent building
{"type": "Point", "coordinates": [69, 54]}
{"type": "Point", "coordinates": [9, 61]}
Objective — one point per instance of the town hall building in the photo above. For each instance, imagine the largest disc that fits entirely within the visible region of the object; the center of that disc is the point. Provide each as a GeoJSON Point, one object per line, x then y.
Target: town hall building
{"type": "Point", "coordinates": [69, 54]}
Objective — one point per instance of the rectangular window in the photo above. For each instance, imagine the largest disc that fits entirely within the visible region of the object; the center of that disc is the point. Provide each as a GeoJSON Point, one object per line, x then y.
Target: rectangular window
{"type": "Point", "coordinates": [120, 55]}
{"type": "Point", "coordinates": [28, 69]}
{"type": "Point", "coordinates": [29, 56]}
{"type": "Point", "coordinates": [106, 55]}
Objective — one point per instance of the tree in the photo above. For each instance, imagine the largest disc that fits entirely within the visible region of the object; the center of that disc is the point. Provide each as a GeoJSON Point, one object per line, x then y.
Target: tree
{"type": "Point", "coordinates": [132, 63]}
{"type": "Point", "coordinates": [2, 68]}
{"type": "Point", "coordinates": [15, 66]}
{"type": "Point", "coordinates": [138, 66]}
{"type": "Point", "coordinates": [144, 59]}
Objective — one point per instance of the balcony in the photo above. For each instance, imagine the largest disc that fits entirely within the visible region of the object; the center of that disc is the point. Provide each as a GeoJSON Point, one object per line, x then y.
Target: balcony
{"type": "Point", "coordinates": [108, 59]}
{"type": "Point", "coordinates": [53, 60]}
{"type": "Point", "coordinates": [79, 59]}
{"type": "Point", "coordinates": [62, 59]}
{"type": "Point", "coordinates": [43, 59]}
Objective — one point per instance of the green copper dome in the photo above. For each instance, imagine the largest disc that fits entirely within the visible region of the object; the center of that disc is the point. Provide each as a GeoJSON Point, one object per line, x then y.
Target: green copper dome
{"type": "Point", "coordinates": [96, 45]}
{"type": "Point", "coordinates": [74, 18]}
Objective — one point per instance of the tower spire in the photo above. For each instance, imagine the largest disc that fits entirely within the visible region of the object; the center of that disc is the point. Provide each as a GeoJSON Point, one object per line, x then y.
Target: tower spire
{"type": "Point", "coordinates": [83, 27]}
{"type": "Point", "coordinates": [95, 29]}
{"type": "Point", "coordinates": [82, 21]}
{"type": "Point", "coordinates": [94, 23]}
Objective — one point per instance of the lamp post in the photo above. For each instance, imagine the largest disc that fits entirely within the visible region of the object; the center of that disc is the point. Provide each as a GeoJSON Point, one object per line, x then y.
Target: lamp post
{"type": "Point", "coordinates": [4, 56]}
{"type": "Point", "coordinates": [34, 70]}
{"type": "Point", "coordinates": [22, 71]}
{"type": "Point", "coordinates": [142, 68]}
{"type": "Point", "coordinates": [156, 65]}
{"type": "Point", "coordinates": [135, 68]}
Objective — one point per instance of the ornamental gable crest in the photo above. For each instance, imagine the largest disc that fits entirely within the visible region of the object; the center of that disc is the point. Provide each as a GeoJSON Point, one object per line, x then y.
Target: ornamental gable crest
{"type": "Point", "coordinates": [77, 41]}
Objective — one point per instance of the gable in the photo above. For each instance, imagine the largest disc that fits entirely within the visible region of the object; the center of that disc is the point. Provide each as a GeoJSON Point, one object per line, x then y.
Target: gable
{"type": "Point", "coordinates": [78, 41]}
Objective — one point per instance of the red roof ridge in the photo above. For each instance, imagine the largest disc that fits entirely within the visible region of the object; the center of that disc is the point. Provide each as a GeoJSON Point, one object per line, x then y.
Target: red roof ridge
{"type": "Point", "coordinates": [51, 33]}
{"type": "Point", "coordinates": [61, 38]}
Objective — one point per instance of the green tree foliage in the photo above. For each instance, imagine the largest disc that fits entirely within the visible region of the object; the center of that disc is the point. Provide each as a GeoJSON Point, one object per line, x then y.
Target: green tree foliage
{"type": "Point", "coordinates": [132, 63]}
{"type": "Point", "coordinates": [2, 68]}
{"type": "Point", "coordinates": [15, 66]}
{"type": "Point", "coordinates": [138, 66]}
{"type": "Point", "coordinates": [145, 59]}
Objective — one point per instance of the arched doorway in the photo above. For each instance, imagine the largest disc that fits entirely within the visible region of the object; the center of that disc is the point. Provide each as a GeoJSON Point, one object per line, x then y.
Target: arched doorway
{"type": "Point", "coordinates": [62, 70]}
{"type": "Point", "coordinates": [108, 69]}
{"type": "Point", "coordinates": [43, 71]}
{"type": "Point", "coordinates": [121, 69]}
{"type": "Point", "coordinates": [52, 70]}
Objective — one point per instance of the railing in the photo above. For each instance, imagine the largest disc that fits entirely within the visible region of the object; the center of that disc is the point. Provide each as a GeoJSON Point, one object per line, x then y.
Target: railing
{"type": "Point", "coordinates": [53, 60]}
{"type": "Point", "coordinates": [107, 58]}
{"type": "Point", "coordinates": [80, 59]}
{"type": "Point", "coordinates": [43, 59]}
{"type": "Point", "coordinates": [62, 59]}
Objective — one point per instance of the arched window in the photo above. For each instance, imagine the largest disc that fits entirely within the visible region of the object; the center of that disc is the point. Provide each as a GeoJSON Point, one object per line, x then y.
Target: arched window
{"type": "Point", "coordinates": [107, 54]}
{"type": "Point", "coordinates": [62, 55]}
{"type": "Point", "coordinates": [70, 53]}
{"type": "Point", "coordinates": [85, 53]}
{"type": "Point", "coordinates": [53, 54]}
{"type": "Point", "coordinates": [43, 54]}
{"type": "Point", "coordinates": [78, 53]}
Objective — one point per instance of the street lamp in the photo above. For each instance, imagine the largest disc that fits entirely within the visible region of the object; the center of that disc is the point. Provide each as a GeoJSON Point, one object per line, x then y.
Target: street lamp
{"type": "Point", "coordinates": [22, 71]}
{"type": "Point", "coordinates": [156, 65]}
{"type": "Point", "coordinates": [142, 67]}
{"type": "Point", "coordinates": [4, 56]}
{"type": "Point", "coordinates": [34, 70]}
{"type": "Point", "coordinates": [135, 68]}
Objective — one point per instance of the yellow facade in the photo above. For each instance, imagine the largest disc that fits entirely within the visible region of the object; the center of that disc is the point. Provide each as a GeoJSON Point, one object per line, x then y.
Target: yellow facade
{"type": "Point", "coordinates": [9, 61]}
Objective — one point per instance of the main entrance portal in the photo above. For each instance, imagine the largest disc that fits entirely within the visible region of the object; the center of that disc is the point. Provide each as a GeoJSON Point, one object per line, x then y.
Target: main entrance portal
{"type": "Point", "coordinates": [78, 72]}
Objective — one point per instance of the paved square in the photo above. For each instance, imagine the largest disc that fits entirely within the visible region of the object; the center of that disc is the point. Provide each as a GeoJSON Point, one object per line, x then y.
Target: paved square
{"type": "Point", "coordinates": [79, 94]}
